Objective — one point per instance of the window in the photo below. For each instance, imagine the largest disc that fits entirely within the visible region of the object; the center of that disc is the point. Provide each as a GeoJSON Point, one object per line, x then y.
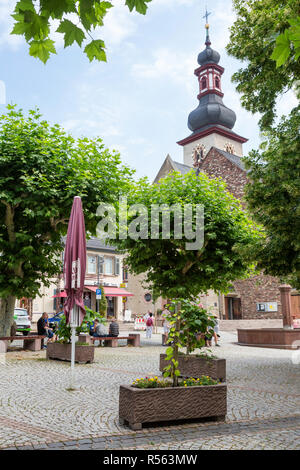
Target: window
{"type": "Point", "coordinates": [108, 266]}
{"type": "Point", "coordinates": [92, 264]}
{"type": "Point", "coordinates": [203, 83]}
{"type": "Point", "coordinates": [217, 82]}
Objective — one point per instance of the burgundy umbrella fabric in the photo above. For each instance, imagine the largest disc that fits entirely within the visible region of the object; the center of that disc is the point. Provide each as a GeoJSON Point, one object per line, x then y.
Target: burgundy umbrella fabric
{"type": "Point", "coordinates": [75, 261]}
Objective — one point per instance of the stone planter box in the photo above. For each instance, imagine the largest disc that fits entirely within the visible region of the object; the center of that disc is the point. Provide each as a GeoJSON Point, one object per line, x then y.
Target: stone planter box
{"type": "Point", "coordinates": [278, 338]}
{"type": "Point", "coordinates": [193, 366]}
{"type": "Point", "coordinates": [151, 405]}
{"type": "Point", "coordinates": [83, 354]}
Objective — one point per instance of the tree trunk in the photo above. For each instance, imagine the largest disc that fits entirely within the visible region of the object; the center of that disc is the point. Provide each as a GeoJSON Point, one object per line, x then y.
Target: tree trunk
{"type": "Point", "coordinates": [175, 346]}
{"type": "Point", "coordinates": [7, 306]}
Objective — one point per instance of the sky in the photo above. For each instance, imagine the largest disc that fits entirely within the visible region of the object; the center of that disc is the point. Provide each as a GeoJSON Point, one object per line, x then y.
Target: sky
{"type": "Point", "coordinates": [139, 101]}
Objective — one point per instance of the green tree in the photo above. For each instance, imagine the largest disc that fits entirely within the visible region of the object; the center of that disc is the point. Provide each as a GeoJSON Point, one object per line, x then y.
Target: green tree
{"type": "Point", "coordinates": [266, 36]}
{"type": "Point", "coordinates": [77, 20]}
{"type": "Point", "coordinates": [259, 24]}
{"type": "Point", "coordinates": [288, 43]}
{"type": "Point", "coordinates": [42, 168]}
{"type": "Point", "coordinates": [174, 271]}
{"type": "Point", "coordinates": [102, 302]}
{"type": "Point", "coordinates": [273, 196]}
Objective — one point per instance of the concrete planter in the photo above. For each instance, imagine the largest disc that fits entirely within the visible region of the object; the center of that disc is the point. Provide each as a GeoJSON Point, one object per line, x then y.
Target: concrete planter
{"type": "Point", "coordinates": [83, 354]}
{"type": "Point", "coordinates": [193, 366]}
{"type": "Point", "coordinates": [151, 405]}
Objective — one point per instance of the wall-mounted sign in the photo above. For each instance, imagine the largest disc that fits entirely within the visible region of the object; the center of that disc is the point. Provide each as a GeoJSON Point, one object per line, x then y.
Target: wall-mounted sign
{"type": "Point", "coordinates": [148, 297]}
{"type": "Point", "coordinates": [267, 307]}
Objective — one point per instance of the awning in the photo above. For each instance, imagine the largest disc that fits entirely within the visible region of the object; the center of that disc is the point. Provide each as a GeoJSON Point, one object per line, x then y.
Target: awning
{"type": "Point", "coordinates": [61, 294]}
{"type": "Point", "coordinates": [111, 291]}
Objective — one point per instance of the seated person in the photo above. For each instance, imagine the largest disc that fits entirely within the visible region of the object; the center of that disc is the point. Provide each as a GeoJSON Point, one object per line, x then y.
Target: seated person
{"type": "Point", "coordinates": [43, 328]}
{"type": "Point", "coordinates": [114, 328]}
{"type": "Point", "coordinates": [99, 330]}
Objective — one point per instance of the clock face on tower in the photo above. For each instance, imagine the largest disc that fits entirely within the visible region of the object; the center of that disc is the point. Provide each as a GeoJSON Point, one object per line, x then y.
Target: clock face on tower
{"type": "Point", "coordinates": [198, 154]}
{"type": "Point", "coordinates": [228, 147]}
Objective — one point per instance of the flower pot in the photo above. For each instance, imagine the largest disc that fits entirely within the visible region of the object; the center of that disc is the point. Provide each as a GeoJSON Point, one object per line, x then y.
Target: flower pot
{"type": "Point", "coordinates": [150, 405]}
{"type": "Point", "coordinates": [61, 351]}
{"type": "Point", "coordinates": [193, 366]}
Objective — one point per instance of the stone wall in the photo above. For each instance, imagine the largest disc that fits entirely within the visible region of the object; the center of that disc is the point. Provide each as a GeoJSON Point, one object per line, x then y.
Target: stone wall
{"type": "Point", "coordinates": [259, 288]}
{"type": "Point", "coordinates": [255, 290]}
{"type": "Point", "coordinates": [218, 166]}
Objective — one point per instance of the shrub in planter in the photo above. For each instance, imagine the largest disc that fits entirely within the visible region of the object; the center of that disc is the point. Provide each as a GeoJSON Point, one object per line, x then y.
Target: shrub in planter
{"type": "Point", "coordinates": [61, 349]}
{"type": "Point", "coordinates": [193, 322]}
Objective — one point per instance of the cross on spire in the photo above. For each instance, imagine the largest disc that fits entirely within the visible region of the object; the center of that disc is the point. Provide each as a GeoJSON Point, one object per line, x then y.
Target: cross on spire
{"type": "Point", "coordinates": [207, 42]}
{"type": "Point", "coordinates": [207, 15]}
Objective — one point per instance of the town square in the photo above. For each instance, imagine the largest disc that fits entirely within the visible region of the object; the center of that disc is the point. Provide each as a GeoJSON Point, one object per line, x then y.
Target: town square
{"type": "Point", "coordinates": [149, 236]}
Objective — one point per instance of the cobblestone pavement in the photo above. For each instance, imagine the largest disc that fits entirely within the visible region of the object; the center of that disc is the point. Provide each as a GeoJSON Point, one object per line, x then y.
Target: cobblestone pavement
{"type": "Point", "coordinates": [38, 411]}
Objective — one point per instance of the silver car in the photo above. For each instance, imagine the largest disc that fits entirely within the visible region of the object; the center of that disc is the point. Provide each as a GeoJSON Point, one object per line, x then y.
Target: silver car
{"type": "Point", "coordinates": [22, 320]}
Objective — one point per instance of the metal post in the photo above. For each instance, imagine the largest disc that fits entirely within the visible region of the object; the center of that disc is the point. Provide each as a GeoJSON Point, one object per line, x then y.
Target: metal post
{"type": "Point", "coordinates": [74, 324]}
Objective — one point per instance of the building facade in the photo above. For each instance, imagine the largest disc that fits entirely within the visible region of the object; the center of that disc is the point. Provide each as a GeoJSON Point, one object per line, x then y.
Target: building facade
{"type": "Point", "coordinates": [103, 265]}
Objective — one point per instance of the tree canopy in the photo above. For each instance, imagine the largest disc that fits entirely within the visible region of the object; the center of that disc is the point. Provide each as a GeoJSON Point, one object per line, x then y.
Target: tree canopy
{"type": "Point", "coordinates": [273, 197]}
{"type": "Point", "coordinates": [265, 31]}
{"type": "Point", "coordinates": [171, 268]}
{"type": "Point", "coordinates": [77, 21]}
{"type": "Point", "coordinates": [42, 168]}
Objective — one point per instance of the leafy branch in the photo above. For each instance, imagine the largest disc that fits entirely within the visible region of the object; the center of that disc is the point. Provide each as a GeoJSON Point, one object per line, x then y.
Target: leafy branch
{"type": "Point", "coordinates": [33, 20]}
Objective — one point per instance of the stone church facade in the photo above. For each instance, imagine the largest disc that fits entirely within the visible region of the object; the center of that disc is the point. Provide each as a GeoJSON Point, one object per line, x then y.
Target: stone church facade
{"type": "Point", "coordinates": [215, 149]}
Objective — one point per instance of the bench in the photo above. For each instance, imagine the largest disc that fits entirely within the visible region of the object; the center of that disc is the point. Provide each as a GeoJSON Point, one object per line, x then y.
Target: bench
{"type": "Point", "coordinates": [112, 341]}
{"type": "Point", "coordinates": [31, 343]}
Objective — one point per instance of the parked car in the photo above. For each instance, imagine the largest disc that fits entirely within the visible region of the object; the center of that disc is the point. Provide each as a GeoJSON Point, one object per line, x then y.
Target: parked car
{"type": "Point", "coordinates": [22, 320]}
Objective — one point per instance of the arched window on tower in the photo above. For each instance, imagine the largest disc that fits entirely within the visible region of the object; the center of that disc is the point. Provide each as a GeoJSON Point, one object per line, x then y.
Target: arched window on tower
{"type": "Point", "coordinates": [217, 82]}
{"type": "Point", "coordinates": [203, 83]}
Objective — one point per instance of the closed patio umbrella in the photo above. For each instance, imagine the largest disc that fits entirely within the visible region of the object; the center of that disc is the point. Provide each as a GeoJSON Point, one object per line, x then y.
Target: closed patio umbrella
{"type": "Point", "coordinates": [74, 273]}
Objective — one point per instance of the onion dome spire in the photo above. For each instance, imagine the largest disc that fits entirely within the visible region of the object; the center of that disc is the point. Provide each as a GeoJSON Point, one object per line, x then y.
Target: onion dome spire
{"type": "Point", "coordinates": [211, 110]}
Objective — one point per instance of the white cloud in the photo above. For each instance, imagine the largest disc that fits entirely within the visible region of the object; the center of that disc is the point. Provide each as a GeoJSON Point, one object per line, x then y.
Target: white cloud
{"type": "Point", "coordinates": [6, 25]}
{"type": "Point", "coordinates": [119, 24]}
{"type": "Point", "coordinates": [166, 63]}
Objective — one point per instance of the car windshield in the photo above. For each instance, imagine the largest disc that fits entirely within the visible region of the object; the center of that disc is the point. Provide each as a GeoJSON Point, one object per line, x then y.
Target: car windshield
{"type": "Point", "coordinates": [21, 313]}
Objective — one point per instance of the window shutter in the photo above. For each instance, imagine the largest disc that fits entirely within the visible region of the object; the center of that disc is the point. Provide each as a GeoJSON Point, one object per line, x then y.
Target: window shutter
{"type": "Point", "coordinates": [117, 266]}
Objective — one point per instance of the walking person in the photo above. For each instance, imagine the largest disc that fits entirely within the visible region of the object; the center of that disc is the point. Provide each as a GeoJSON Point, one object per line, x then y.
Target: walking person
{"type": "Point", "coordinates": [166, 324]}
{"type": "Point", "coordinates": [149, 326]}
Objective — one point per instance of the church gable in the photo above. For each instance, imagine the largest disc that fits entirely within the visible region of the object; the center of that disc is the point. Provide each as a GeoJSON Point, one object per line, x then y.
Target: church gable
{"type": "Point", "coordinates": [220, 164]}
{"type": "Point", "coordinates": [167, 167]}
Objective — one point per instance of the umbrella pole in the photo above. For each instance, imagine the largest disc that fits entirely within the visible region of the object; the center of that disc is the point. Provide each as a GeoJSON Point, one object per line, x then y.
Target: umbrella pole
{"type": "Point", "coordinates": [73, 328]}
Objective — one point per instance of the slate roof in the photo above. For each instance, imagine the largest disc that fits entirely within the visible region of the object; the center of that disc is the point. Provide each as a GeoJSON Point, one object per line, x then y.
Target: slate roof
{"type": "Point", "coordinates": [95, 243]}
{"type": "Point", "coordinates": [182, 168]}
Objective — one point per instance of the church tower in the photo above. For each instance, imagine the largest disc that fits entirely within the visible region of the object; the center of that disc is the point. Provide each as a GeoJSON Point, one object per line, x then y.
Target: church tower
{"type": "Point", "coordinates": [211, 122]}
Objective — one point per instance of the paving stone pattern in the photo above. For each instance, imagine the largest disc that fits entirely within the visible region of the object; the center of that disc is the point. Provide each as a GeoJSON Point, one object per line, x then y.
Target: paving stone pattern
{"type": "Point", "coordinates": [37, 411]}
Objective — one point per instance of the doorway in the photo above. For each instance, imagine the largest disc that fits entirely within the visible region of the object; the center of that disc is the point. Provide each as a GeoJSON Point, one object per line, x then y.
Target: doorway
{"type": "Point", "coordinates": [233, 309]}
